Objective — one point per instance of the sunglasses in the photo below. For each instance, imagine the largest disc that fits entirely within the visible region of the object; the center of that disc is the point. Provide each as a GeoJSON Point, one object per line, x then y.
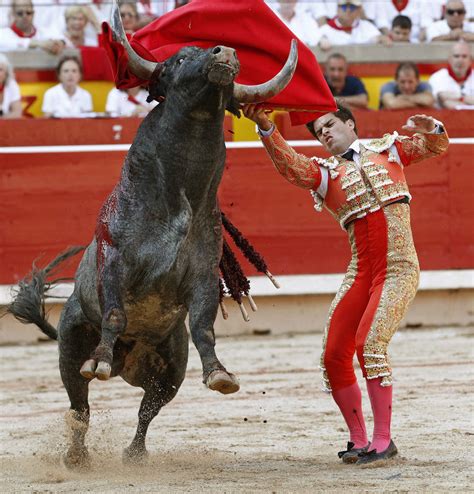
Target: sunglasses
{"type": "Point", "coordinates": [455, 11]}
{"type": "Point", "coordinates": [21, 13]}
{"type": "Point", "coordinates": [349, 6]}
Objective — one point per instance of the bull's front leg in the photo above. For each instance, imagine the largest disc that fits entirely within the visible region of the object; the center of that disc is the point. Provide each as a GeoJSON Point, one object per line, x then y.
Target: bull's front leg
{"type": "Point", "coordinates": [202, 314]}
{"type": "Point", "coordinates": [114, 320]}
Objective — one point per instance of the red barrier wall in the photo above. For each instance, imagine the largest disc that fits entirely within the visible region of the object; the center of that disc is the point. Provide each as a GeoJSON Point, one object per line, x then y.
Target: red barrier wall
{"type": "Point", "coordinates": [50, 201]}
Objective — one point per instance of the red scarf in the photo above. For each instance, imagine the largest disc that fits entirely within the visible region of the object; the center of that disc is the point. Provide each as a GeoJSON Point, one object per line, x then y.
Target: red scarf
{"type": "Point", "coordinates": [133, 100]}
{"type": "Point", "coordinates": [21, 34]}
{"type": "Point", "coordinates": [335, 24]}
{"type": "Point", "coordinates": [459, 80]}
{"type": "Point", "coordinates": [400, 4]}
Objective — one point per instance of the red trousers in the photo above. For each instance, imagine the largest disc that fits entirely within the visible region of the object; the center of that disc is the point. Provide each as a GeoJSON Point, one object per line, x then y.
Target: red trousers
{"type": "Point", "coordinates": [381, 280]}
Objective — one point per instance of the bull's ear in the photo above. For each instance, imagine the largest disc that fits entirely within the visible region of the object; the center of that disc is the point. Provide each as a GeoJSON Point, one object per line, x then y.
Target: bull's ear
{"type": "Point", "coordinates": [233, 106]}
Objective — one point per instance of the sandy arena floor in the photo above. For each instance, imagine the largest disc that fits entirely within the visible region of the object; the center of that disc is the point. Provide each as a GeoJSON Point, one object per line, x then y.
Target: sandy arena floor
{"type": "Point", "coordinates": [279, 434]}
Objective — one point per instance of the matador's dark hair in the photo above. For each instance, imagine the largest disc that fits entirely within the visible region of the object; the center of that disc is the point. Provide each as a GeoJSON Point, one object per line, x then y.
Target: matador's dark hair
{"type": "Point", "coordinates": [342, 113]}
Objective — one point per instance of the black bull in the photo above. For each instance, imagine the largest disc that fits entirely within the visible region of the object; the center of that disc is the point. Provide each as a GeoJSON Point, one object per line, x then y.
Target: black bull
{"type": "Point", "coordinates": [156, 252]}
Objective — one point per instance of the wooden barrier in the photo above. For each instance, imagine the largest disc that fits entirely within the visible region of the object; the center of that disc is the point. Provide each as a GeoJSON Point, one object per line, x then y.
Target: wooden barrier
{"type": "Point", "coordinates": [50, 200]}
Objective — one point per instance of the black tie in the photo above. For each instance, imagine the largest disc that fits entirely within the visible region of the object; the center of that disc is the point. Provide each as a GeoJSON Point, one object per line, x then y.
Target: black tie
{"type": "Point", "coordinates": [348, 155]}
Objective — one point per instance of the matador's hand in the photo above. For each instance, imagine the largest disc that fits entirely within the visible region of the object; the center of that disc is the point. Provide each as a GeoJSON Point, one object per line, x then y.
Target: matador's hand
{"type": "Point", "coordinates": [258, 115]}
{"type": "Point", "coordinates": [420, 123]}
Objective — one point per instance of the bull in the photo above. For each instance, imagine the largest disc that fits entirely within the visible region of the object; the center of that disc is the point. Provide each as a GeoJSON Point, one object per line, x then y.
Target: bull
{"type": "Point", "coordinates": [157, 247]}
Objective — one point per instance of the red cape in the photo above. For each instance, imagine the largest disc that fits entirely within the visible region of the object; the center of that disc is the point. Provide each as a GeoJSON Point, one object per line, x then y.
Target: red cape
{"type": "Point", "coordinates": [261, 39]}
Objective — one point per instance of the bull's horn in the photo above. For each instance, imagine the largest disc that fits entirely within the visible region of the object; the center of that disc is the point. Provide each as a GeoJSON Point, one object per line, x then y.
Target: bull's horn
{"type": "Point", "coordinates": [139, 66]}
{"type": "Point", "coordinates": [265, 91]}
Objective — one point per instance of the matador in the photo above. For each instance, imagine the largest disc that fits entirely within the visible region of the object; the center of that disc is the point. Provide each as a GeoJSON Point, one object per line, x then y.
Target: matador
{"type": "Point", "coordinates": [363, 186]}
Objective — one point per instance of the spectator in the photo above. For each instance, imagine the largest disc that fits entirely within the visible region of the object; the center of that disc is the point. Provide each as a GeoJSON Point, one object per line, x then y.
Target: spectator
{"type": "Point", "coordinates": [10, 99]}
{"type": "Point", "coordinates": [296, 19]}
{"type": "Point", "coordinates": [128, 103]}
{"type": "Point", "coordinates": [23, 34]}
{"type": "Point", "coordinates": [382, 13]}
{"type": "Point", "coordinates": [454, 27]}
{"type": "Point", "coordinates": [50, 14]}
{"type": "Point", "coordinates": [406, 91]}
{"type": "Point", "coordinates": [401, 29]}
{"type": "Point", "coordinates": [75, 34]}
{"type": "Point", "coordinates": [347, 89]}
{"type": "Point", "coordinates": [322, 10]}
{"type": "Point", "coordinates": [454, 87]}
{"type": "Point", "coordinates": [67, 99]}
{"type": "Point", "coordinates": [129, 15]}
{"type": "Point", "coordinates": [348, 27]}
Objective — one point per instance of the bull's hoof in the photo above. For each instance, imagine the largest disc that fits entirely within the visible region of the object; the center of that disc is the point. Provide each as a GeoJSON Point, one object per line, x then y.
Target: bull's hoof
{"type": "Point", "coordinates": [134, 456]}
{"type": "Point", "coordinates": [223, 382]}
{"type": "Point", "coordinates": [91, 369]}
{"type": "Point", "coordinates": [103, 371]}
{"type": "Point", "coordinates": [77, 459]}
{"type": "Point", "coordinates": [88, 369]}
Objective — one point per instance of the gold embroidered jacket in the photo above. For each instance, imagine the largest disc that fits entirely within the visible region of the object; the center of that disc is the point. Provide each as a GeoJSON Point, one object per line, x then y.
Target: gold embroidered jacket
{"type": "Point", "coordinates": [349, 190]}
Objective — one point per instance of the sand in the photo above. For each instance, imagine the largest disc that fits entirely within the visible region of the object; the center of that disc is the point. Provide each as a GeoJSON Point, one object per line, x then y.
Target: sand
{"type": "Point", "coordinates": [279, 434]}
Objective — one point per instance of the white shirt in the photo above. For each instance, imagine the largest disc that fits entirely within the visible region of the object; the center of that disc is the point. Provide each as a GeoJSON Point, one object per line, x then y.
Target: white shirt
{"type": "Point", "coordinates": [60, 104]}
{"type": "Point", "coordinates": [441, 81]}
{"type": "Point", "coordinates": [11, 93]}
{"type": "Point", "coordinates": [440, 28]}
{"type": "Point", "coordinates": [10, 41]}
{"type": "Point", "coordinates": [304, 26]}
{"type": "Point", "coordinates": [362, 32]}
{"type": "Point", "coordinates": [118, 104]}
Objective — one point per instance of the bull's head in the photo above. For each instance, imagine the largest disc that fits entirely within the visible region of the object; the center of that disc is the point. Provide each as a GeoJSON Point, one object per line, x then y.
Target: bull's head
{"type": "Point", "coordinates": [219, 65]}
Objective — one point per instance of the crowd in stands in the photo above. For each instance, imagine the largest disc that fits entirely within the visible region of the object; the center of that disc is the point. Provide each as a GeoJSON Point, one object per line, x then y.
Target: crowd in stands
{"type": "Point", "coordinates": [55, 25]}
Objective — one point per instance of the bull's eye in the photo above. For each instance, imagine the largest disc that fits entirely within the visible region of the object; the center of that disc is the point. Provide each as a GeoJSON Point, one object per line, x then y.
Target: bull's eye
{"type": "Point", "coordinates": [180, 61]}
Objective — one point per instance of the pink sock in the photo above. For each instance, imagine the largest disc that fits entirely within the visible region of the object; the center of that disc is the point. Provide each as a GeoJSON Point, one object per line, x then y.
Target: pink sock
{"type": "Point", "coordinates": [349, 401]}
{"type": "Point", "coordinates": [381, 401]}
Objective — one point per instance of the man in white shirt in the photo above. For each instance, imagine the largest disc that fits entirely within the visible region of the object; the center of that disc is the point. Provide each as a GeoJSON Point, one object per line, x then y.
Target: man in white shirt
{"type": "Point", "coordinates": [298, 20]}
{"type": "Point", "coordinates": [454, 27]}
{"type": "Point", "coordinates": [23, 34]}
{"type": "Point", "coordinates": [453, 87]}
{"type": "Point", "coordinates": [348, 28]}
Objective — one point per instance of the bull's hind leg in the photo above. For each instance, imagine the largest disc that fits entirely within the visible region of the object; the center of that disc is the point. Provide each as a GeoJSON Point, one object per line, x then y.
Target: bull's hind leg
{"type": "Point", "coordinates": [114, 319]}
{"type": "Point", "coordinates": [160, 373]}
{"type": "Point", "coordinates": [76, 340]}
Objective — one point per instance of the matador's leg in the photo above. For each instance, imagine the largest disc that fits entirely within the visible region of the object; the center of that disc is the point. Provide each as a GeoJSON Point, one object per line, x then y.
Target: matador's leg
{"type": "Point", "coordinates": [339, 343]}
{"type": "Point", "coordinates": [395, 281]}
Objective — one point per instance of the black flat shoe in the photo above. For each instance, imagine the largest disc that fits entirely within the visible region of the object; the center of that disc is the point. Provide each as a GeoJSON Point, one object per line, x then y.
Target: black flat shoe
{"type": "Point", "coordinates": [371, 456]}
{"type": "Point", "coordinates": [351, 455]}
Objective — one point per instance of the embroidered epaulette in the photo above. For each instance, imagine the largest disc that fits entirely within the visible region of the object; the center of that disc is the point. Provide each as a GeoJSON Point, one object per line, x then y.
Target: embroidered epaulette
{"type": "Point", "coordinates": [381, 144]}
{"type": "Point", "coordinates": [329, 163]}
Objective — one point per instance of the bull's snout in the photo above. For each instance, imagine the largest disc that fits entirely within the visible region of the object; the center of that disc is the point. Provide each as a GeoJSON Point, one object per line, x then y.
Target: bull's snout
{"type": "Point", "coordinates": [224, 65]}
{"type": "Point", "coordinates": [223, 54]}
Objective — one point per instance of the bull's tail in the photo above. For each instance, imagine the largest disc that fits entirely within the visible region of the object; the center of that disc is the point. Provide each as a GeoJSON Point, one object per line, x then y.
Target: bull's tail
{"type": "Point", "coordinates": [28, 305]}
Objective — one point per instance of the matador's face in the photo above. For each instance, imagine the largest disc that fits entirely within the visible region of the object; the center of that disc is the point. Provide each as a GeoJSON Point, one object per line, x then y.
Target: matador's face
{"type": "Point", "coordinates": [335, 135]}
